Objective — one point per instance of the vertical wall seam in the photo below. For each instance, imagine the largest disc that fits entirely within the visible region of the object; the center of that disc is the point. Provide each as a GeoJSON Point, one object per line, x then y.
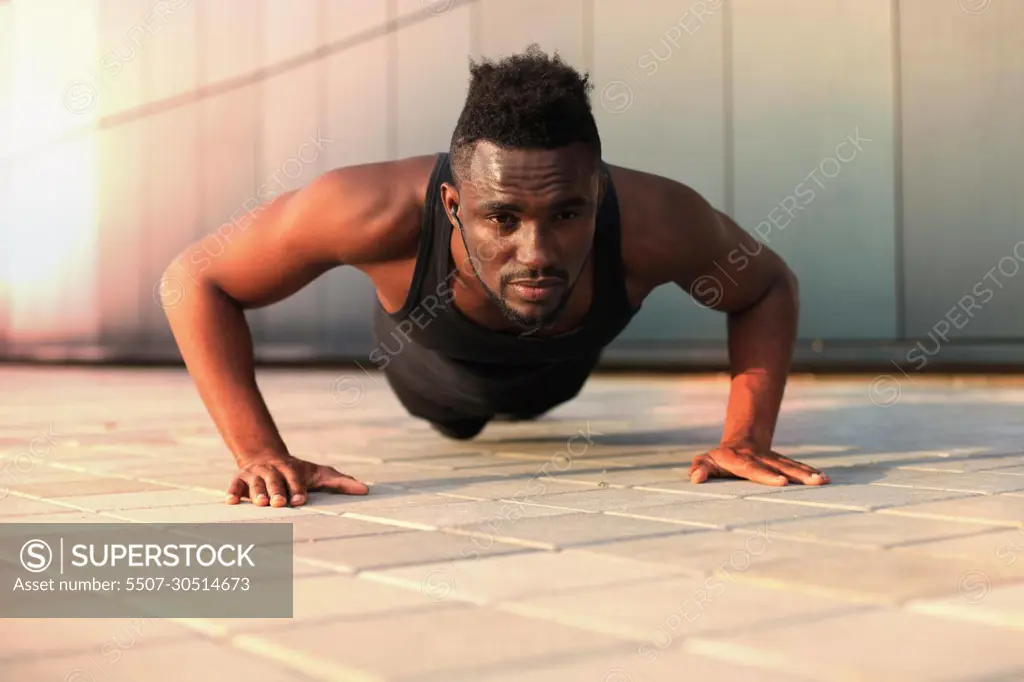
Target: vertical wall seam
{"type": "Point", "coordinates": [475, 19]}
{"type": "Point", "coordinates": [589, 20]}
{"type": "Point", "coordinates": [105, 331]}
{"type": "Point", "coordinates": [323, 301]}
{"type": "Point", "coordinates": [391, 77]}
{"type": "Point", "coordinates": [254, 316]}
{"type": "Point", "coordinates": [143, 335]}
{"type": "Point", "coordinates": [728, 109]}
{"type": "Point", "coordinates": [899, 239]}
{"type": "Point", "coordinates": [200, 108]}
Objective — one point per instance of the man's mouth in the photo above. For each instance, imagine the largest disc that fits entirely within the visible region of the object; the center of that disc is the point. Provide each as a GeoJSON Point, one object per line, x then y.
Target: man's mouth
{"type": "Point", "coordinates": [537, 289]}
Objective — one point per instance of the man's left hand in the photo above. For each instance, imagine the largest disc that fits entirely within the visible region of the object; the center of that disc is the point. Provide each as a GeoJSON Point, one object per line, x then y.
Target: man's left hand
{"type": "Point", "coordinates": [769, 468]}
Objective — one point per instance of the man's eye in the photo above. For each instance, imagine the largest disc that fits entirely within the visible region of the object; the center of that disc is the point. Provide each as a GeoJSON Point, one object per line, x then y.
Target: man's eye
{"type": "Point", "coordinates": [504, 220]}
{"type": "Point", "coordinates": [568, 215]}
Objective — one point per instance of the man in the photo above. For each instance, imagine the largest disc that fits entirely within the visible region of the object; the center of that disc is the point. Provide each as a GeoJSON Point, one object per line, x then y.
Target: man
{"type": "Point", "coordinates": [502, 269]}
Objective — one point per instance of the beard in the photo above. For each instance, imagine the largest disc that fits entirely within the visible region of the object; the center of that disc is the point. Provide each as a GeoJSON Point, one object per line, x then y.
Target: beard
{"type": "Point", "coordinates": [529, 324]}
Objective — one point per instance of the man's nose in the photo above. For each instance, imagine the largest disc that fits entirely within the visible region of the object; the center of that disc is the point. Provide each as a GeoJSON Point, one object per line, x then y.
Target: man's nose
{"type": "Point", "coordinates": [534, 248]}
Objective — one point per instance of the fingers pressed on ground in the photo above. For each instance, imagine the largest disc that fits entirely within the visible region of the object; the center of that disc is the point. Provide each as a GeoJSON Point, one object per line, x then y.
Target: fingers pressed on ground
{"type": "Point", "coordinates": [276, 488]}
{"type": "Point", "coordinates": [237, 489]}
{"type": "Point", "coordinates": [793, 473]}
{"type": "Point", "coordinates": [797, 471]}
{"type": "Point", "coordinates": [296, 485]}
{"type": "Point", "coordinates": [758, 471]}
{"type": "Point", "coordinates": [257, 490]}
{"type": "Point", "coordinates": [701, 469]}
{"type": "Point", "coordinates": [329, 478]}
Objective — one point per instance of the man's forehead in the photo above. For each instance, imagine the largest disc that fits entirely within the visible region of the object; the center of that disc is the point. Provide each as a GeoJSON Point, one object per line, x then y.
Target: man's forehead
{"type": "Point", "coordinates": [492, 167]}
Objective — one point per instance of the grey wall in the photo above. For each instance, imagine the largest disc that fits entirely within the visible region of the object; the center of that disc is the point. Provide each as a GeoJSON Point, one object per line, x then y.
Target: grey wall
{"type": "Point", "coordinates": [873, 143]}
{"type": "Point", "coordinates": [963, 112]}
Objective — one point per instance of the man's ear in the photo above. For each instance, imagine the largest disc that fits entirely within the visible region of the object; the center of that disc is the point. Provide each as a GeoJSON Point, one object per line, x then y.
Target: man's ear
{"type": "Point", "coordinates": [450, 201]}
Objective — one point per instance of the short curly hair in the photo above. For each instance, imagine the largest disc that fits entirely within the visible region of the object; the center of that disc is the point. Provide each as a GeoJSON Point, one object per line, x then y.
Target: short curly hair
{"type": "Point", "coordinates": [525, 101]}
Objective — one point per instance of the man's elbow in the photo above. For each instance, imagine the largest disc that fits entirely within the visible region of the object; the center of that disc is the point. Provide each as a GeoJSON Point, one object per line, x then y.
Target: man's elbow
{"type": "Point", "coordinates": [181, 278]}
{"type": "Point", "coordinates": [790, 282]}
{"type": "Point", "coordinates": [787, 291]}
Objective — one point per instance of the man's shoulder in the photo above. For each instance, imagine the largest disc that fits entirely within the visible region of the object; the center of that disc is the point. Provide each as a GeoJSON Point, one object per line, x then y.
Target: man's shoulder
{"type": "Point", "coordinates": [650, 204]}
{"type": "Point", "coordinates": [654, 193]}
{"type": "Point", "coordinates": [658, 217]}
{"type": "Point", "coordinates": [401, 181]}
{"type": "Point", "coordinates": [381, 200]}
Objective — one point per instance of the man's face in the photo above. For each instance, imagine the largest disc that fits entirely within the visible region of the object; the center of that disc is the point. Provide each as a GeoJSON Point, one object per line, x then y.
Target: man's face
{"type": "Point", "coordinates": [528, 219]}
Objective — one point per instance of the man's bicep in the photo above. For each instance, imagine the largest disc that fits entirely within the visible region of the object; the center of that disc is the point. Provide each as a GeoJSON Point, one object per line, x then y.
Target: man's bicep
{"type": "Point", "coordinates": [718, 263]}
{"type": "Point", "coordinates": [271, 252]}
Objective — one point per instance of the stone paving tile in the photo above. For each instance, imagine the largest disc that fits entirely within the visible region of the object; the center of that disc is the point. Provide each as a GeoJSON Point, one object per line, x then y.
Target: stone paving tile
{"type": "Point", "coordinates": [378, 501]}
{"type": "Point", "coordinates": [460, 512]}
{"type": "Point", "coordinates": [610, 499]}
{"type": "Point", "coordinates": [1013, 676]}
{"type": "Point", "coordinates": [497, 578]}
{"type": "Point", "coordinates": [408, 547]}
{"type": "Point", "coordinates": [1004, 464]}
{"type": "Point", "coordinates": [875, 576]}
{"type": "Point", "coordinates": [726, 513]}
{"type": "Point", "coordinates": [214, 512]}
{"type": "Point", "coordinates": [328, 598]}
{"type": "Point", "coordinates": [158, 467]}
{"type": "Point", "coordinates": [1001, 545]}
{"type": "Point", "coordinates": [25, 638]}
{"type": "Point", "coordinates": [503, 467]}
{"type": "Point", "coordinates": [885, 645]}
{"type": "Point", "coordinates": [85, 458]}
{"type": "Point", "coordinates": [717, 487]}
{"type": "Point", "coordinates": [449, 639]}
{"type": "Point", "coordinates": [705, 551]}
{"type": "Point", "coordinates": [408, 475]}
{"type": "Point", "coordinates": [1005, 510]}
{"type": "Point", "coordinates": [93, 485]}
{"type": "Point", "coordinates": [999, 553]}
{"type": "Point", "coordinates": [980, 482]}
{"type": "Point", "coordinates": [829, 462]}
{"type": "Point", "coordinates": [664, 611]}
{"type": "Point", "coordinates": [192, 660]}
{"type": "Point", "coordinates": [17, 477]}
{"type": "Point", "coordinates": [166, 497]}
{"type": "Point", "coordinates": [866, 473]}
{"type": "Point", "coordinates": [856, 497]}
{"type": "Point", "coordinates": [216, 482]}
{"type": "Point", "coordinates": [1012, 470]}
{"type": "Point", "coordinates": [469, 460]}
{"type": "Point", "coordinates": [139, 439]}
{"type": "Point", "coordinates": [872, 530]}
{"type": "Point", "coordinates": [621, 476]}
{"type": "Point", "coordinates": [630, 665]}
{"type": "Point", "coordinates": [320, 527]}
{"type": "Point", "coordinates": [509, 489]}
{"type": "Point", "coordinates": [67, 516]}
{"type": "Point", "coordinates": [978, 602]}
{"type": "Point", "coordinates": [591, 453]}
{"type": "Point", "coordinates": [568, 530]}
{"type": "Point", "coordinates": [672, 460]}
{"type": "Point", "coordinates": [14, 509]}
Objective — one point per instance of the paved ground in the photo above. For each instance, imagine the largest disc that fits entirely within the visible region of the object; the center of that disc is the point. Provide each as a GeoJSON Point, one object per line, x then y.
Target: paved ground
{"type": "Point", "coordinates": [568, 549]}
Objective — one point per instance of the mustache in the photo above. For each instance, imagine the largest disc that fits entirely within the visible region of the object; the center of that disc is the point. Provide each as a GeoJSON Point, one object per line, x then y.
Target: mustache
{"type": "Point", "coordinates": [554, 273]}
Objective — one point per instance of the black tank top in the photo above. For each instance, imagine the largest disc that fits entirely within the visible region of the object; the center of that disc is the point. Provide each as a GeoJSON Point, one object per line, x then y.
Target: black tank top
{"type": "Point", "coordinates": [429, 346]}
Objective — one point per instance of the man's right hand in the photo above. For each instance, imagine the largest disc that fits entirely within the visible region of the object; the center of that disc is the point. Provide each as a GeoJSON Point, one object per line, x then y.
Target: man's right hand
{"type": "Point", "coordinates": [280, 480]}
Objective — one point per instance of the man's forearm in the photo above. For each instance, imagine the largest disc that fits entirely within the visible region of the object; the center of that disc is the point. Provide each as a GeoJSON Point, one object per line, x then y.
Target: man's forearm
{"type": "Point", "coordinates": [216, 345]}
{"type": "Point", "coordinates": [761, 342]}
